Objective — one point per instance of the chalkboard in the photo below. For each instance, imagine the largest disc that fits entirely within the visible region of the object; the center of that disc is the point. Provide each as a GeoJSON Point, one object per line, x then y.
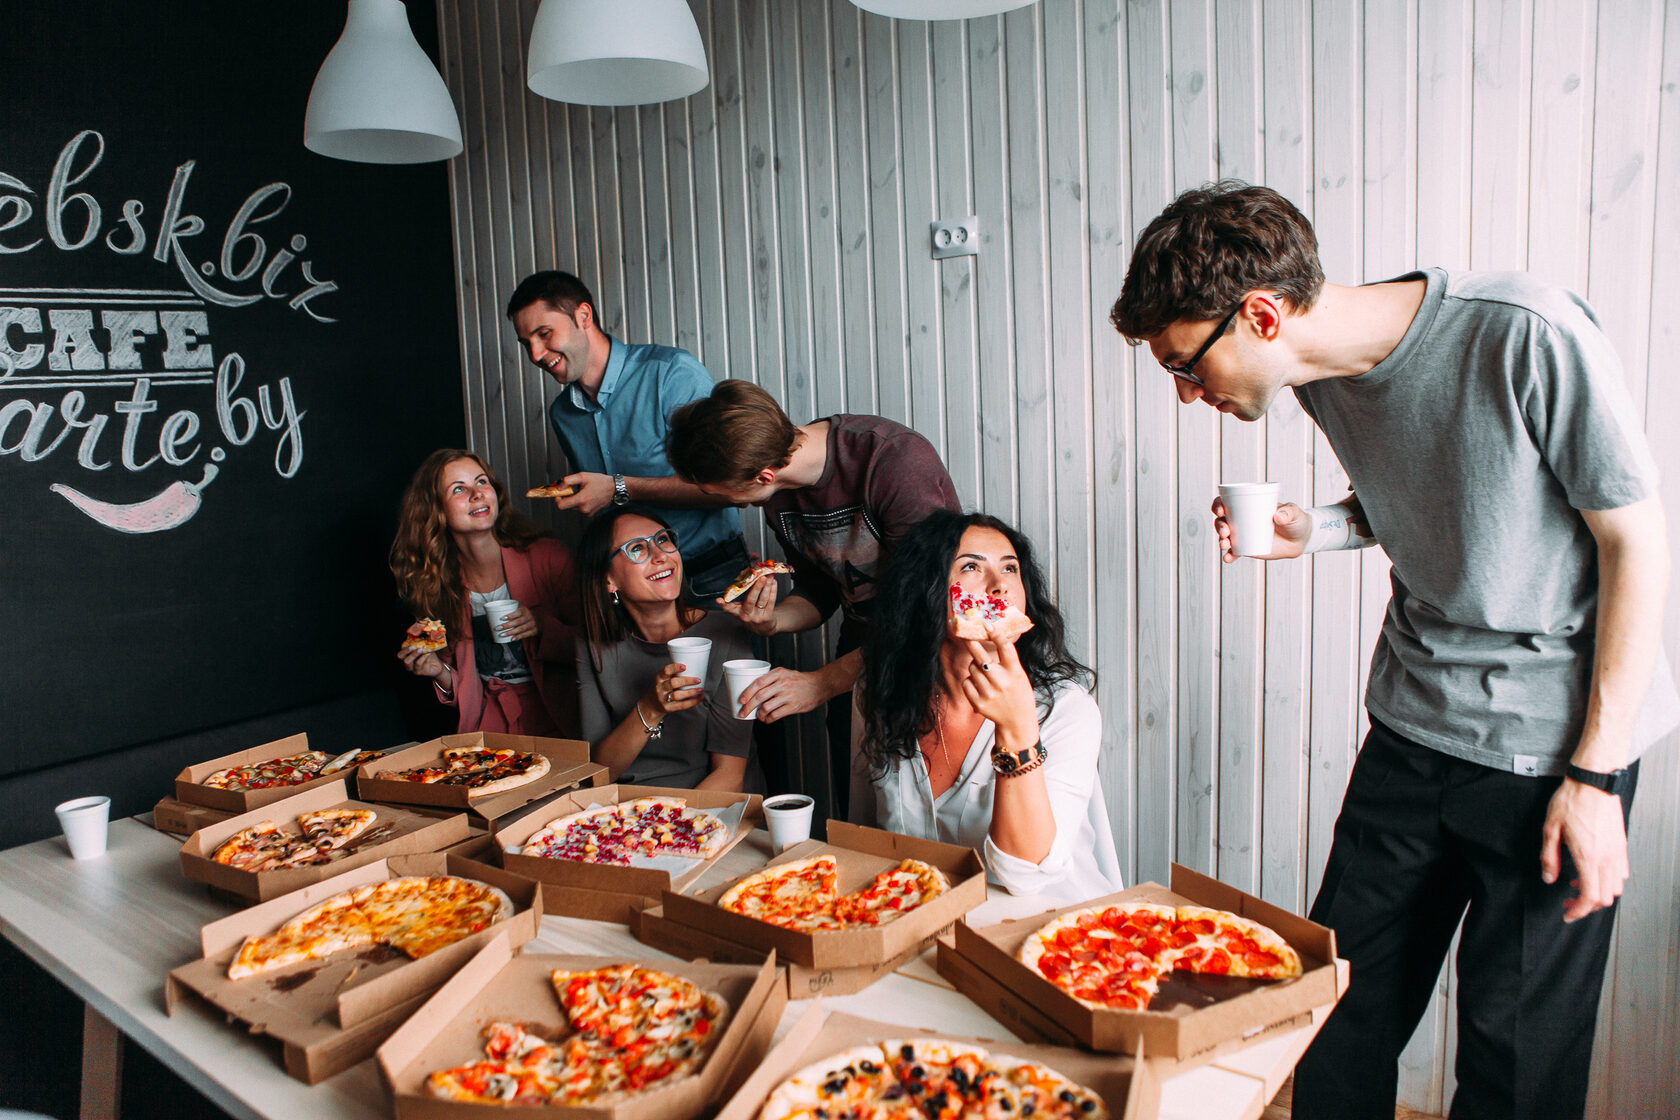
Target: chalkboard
{"type": "Point", "coordinates": [221, 357]}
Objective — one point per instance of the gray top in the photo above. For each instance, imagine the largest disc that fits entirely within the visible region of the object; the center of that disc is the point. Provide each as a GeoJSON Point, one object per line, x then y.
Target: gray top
{"type": "Point", "coordinates": [1472, 447]}
{"type": "Point", "coordinates": [615, 677]}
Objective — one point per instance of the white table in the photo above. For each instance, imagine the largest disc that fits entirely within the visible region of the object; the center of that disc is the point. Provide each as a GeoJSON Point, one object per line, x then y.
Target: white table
{"type": "Point", "coordinates": [111, 929]}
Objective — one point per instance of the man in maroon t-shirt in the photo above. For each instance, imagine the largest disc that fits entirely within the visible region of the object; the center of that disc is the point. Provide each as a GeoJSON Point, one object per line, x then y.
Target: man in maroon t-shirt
{"type": "Point", "coordinates": [838, 493]}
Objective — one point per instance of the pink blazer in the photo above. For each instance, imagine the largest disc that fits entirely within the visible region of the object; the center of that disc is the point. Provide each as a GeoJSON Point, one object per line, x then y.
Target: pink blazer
{"type": "Point", "coordinates": [540, 578]}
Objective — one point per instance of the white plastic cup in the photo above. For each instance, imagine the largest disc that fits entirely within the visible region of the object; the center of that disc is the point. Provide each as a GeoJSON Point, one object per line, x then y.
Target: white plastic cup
{"type": "Point", "coordinates": [1249, 507]}
{"type": "Point", "coordinates": [495, 613]}
{"type": "Point", "coordinates": [788, 816]}
{"type": "Point", "coordinates": [84, 823]}
{"type": "Point", "coordinates": [693, 654]}
{"type": "Point", "coordinates": [740, 674]}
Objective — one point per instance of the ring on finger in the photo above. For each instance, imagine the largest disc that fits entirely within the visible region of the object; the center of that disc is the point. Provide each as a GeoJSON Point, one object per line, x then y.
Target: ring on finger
{"type": "Point", "coordinates": [985, 666]}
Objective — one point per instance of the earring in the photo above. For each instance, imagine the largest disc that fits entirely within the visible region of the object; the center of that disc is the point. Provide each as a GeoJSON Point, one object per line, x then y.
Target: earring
{"type": "Point", "coordinates": [615, 598]}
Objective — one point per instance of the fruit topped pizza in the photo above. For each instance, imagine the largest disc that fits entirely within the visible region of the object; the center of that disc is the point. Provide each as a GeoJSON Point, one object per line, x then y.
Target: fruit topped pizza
{"type": "Point", "coordinates": [929, 1079]}
{"type": "Point", "coordinates": [481, 770]}
{"type": "Point", "coordinates": [417, 915]}
{"type": "Point", "coordinates": [1116, 956]}
{"type": "Point", "coordinates": [751, 575]}
{"type": "Point", "coordinates": [979, 616]}
{"type": "Point", "coordinates": [630, 1030]}
{"type": "Point", "coordinates": [324, 837]}
{"type": "Point", "coordinates": [802, 895]}
{"type": "Point", "coordinates": [551, 490]}
{"type": "Point", "coordinates": [292, 770]}
{"type": "Point", "coordinates": [647, 826]}
{"type": "Point", "coordinates": [428, 635]}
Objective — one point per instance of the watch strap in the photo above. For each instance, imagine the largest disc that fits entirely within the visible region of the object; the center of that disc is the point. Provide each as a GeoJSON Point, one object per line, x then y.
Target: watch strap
{"type": "Point", "coordinates": [1615, 782]}
{"type": "Point", "coordinates": [621, 492]}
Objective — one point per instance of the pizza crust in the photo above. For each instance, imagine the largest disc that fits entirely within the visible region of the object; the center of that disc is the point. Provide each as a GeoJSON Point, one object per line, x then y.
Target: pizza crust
{"type": "Point", "coordinates": [750, 575]}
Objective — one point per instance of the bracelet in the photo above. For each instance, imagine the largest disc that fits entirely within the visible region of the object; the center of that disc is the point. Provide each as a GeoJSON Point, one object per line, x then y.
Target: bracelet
{"type": "Point", "coordinates": [1333, 529]}
{"type": "Point", "coordinates": [1008, 764]}
{"type": "Point", "coordinates": [652, 730]}
{"type": "Point", "coordinates": [449, 688]}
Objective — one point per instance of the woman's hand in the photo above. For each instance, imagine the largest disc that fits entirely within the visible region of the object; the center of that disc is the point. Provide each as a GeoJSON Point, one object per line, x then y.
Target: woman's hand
{"type": "Point", "coordinates": [521, 624]}
{"type": "Point", "coordinates": [673, 692]}
{"type": "Point", "coordinates": [998, 687]}
{"type": "Point", "coordinates": [422, 664]}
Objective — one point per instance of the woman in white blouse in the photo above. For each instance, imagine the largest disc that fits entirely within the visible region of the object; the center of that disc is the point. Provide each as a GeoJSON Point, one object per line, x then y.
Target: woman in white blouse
{"type": "Point", "coordinates": [990, 744]}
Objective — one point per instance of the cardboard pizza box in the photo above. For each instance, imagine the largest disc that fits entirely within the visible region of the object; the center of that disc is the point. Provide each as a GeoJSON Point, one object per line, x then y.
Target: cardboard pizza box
{"type": "Point", "coordinates": [642, 882]}
{"type": "Point", "coordinates": [188, 787]}
{"type": "Point", "coordinates": [862, 853]}
{"type": "Point", "coordinates": [1193, 1018]}
{"type": "Point", "coordinates": [501, 984]}
{"type": "Point", "coordinates": [394, 832]}
{"type": "Point", "coordinates": [331, 1013]}
{"type": "Point", "coordinates": [570, 902]}
{"type": "Point", "coordinates": [1130, 1087]}
{"type": "Point", "coordinates": [569, 766]}
{"type": "Point", "coordinates": [651, 927]}
{"type": "Point", "coordinates": [180, 818]}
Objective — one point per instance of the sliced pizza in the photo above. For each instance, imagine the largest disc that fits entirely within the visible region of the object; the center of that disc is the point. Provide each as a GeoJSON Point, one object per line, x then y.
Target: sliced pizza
{"type": "Point", "coordinates": [980, 616]}
{"type": "Point", "coordinates": [803, 895]}
{"type": "Point", "coordinates": [551, 490]}
{"type": "Point", "coordinates": [427, 635]}
{"type": "Point", "coordinates": [291, 770]}
{"type": "Point", "coordinates": [751, 575]}
{"type": "Point", "coordinates": [481, 771]}
{"type": "Point", "coordinates": [645, 826]}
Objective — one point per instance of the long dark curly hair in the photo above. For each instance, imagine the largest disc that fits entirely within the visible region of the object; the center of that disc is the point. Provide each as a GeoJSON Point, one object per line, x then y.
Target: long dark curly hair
{"type": "Point", "coordinates": [901, 651]}
{"type": "Point", "coordinates": [423, 556]}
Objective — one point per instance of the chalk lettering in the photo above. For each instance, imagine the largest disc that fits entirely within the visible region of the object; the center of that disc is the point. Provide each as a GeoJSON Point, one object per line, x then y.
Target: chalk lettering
{"type": "Point", "coordinates": [71, 409]}
{"type": "Point", "coordinates": [134, 408]}
{"type": "Point", "coordinates": [278, 265]}
{"type": "Point", "coordinates": [131, 211]}
{"type": "Point", "coordinates": [62, 180]}
{"type": "Point", "coordinates": [318, 288]}
{"type": "Point", "coordinates": [126, 328]}
{"type": "Point", "coordinates": [237, 233]}
{"type": "Point", "coordinates": [231, 409]}
{"type": "Point", "coordinates": [182, 330]}
{"type": "Point", "coordinates": [22, 210]}
{"type": "Point", "coordinates": [288, 453]}
{"type": "Point", "coordinates": [174, 228]}
{"type": "Point", "coordinates": [29, 319]}
{"type": "Point", "coordinates": [73, 345]}
{"type": "Point", "coordinates": [178, 429]}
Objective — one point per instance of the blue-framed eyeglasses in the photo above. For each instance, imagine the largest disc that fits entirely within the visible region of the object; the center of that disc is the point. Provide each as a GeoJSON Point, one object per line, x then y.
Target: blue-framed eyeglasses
{"type": "Point", "coordinates": [1183, 372]}
{"type": "Point", "coordinates": [639, 550]}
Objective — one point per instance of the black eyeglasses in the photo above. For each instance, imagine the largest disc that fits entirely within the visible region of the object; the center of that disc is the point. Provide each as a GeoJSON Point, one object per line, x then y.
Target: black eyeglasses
{"type": "Point", "coordinates": [1183, 371]}
{"type": "Point", "coordinates": [639, 550]}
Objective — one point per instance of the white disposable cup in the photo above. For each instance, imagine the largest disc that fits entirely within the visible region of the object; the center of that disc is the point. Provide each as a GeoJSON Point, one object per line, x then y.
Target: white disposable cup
{"type": "Point", "coordinates": [84, 821]}
{"type": "Point", "coordinates": [740, 674]}
{"type": "Point", "coordinates": [1249, 507]}
{"type": "Point", "coordinates": [789, 818]}
{"type": "Point", "coordinates": [693, 654]}
{"type": "Point", "coordinates": [495, 613]}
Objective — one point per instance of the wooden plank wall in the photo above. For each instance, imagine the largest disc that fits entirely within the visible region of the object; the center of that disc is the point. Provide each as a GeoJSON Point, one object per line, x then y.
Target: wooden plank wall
{"type": "Point", "coordinates": [776, 226]}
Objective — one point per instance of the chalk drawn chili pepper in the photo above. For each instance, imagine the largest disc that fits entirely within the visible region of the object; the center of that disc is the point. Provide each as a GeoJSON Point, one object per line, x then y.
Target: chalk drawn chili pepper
{"type": "Point", "coordinates": [170, 507]}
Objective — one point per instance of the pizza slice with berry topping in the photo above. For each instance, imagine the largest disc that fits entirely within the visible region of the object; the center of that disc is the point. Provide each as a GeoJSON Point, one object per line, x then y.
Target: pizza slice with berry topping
{"type": "Point", "coordinates": [979, 616]}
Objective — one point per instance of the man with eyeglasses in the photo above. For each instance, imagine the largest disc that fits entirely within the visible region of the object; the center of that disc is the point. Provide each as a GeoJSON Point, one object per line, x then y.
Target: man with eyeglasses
{"type": "Point", "coordinates": [611, 417]}
{"type": "Point", "coordinates": [1494, 453]}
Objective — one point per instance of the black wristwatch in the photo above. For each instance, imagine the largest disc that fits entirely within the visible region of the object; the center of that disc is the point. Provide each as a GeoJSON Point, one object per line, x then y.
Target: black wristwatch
{"type": "Point", "coordinates": [1614, 783]}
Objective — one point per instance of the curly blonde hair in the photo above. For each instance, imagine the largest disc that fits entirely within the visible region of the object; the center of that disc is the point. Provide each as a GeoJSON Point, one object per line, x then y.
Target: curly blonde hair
{"type": "Point", "coordinates": [423, 557]}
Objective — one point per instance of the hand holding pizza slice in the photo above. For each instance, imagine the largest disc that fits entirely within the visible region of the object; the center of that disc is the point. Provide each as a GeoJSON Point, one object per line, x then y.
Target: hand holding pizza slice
{"type": "Point", "coordinates": [751, 575]}
{"type": "Point", "coordinates": [980, 616]}
{"type": "Point", "coordinates": [428, 635]}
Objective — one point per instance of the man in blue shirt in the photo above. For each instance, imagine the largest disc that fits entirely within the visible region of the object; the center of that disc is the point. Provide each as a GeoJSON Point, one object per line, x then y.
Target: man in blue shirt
{"type": "Point", "coordinates": [611, 418]}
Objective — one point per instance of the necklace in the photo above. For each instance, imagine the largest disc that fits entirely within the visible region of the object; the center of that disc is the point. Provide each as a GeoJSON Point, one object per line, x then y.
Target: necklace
{"type": "Point", "coordinates": [939, 734]}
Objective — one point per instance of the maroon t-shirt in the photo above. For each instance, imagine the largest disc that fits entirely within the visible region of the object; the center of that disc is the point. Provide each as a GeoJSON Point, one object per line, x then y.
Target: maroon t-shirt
{"type": "Point", "coordinates": [881, 478]}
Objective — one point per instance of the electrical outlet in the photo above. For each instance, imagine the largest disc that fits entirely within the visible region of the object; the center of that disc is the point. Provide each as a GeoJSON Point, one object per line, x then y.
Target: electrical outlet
{"type": "Point", "coordinates": [960, 238]}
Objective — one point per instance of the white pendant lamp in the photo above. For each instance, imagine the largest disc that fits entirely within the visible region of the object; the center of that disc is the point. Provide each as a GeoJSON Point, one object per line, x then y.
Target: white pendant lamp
{"type": "Point", "coordinates": [615, 52]}
{"type": "Point", "coordinates": [939, 9]}
{"type": "Point", "coordinates": [378, 98]}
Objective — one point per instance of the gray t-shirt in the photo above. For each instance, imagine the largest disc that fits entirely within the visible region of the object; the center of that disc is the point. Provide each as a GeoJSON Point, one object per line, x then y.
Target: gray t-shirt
{"type": "Point", "coordinates": [613, 678]}
{"type": "Point", "coordinates": [1472, 447]}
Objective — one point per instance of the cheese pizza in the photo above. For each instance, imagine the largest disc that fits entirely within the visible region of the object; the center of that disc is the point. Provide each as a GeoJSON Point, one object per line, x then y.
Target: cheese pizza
{"type": "Point", "coordinates": [802, 894]}
{"type": "Point", "coordinates": [480, 770]}
{"type": "Point", "coordinates": [1116, 956]}
{"type": "Point", "coordinates": [629, 1030]}
{"type": "Point", "coordinates": [646, 826]}
{"type": "Point", "coordinates": [551, 490]}
{"type": "Point", "coordinates": [979, 616]}
{"type": "Point", "coordinates": [323, 836]}
{"type": "Point", "coordinates": [929, 1079]}
{"type": "Point", "coordinates": [751, 575]}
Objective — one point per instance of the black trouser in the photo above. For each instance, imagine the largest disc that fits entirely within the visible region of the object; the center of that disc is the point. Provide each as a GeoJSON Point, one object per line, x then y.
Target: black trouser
{"type": "Point", "coordinates": [711, 572]}
{"type": "Point", "coordinates": [1425, 839]}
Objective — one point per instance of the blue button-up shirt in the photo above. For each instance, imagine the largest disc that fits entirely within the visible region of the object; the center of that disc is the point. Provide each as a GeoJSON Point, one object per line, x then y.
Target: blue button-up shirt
{"type": "Point", "coordinates": [622, 431]}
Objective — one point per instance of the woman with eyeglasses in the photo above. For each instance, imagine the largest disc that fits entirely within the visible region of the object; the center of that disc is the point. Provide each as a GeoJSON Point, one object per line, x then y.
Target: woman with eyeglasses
{"type": "Point", "coordinates": [459, 545]}
{"type": "Point", "coordinates": [650, 723]}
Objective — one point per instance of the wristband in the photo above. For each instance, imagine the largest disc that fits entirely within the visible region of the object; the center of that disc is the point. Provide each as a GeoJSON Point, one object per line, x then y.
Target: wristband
{"type": "Point", "coordinates": [1332, 529]}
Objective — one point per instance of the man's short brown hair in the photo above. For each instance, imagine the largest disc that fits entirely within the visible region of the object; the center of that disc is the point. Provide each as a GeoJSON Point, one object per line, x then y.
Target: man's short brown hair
{"type": "Point", "coordinates": [560, 290]}
{"type": "Point", "coordinates": [727, 438]}
{"type": "Point", "coordinates": [1210, 247]}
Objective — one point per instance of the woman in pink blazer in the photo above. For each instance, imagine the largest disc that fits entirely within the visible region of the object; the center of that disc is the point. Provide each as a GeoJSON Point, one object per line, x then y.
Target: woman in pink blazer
{"type": "Point", "coordinates": [459, 546]}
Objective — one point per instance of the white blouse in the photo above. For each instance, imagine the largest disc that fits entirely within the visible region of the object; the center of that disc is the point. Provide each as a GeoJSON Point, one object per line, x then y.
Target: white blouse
{"type": "Point", "coordinates": [1082, 863]}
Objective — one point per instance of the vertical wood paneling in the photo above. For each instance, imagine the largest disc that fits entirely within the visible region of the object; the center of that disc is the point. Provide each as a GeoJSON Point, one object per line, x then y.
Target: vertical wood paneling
{"type": "Point", "coordinates": [775, 225]}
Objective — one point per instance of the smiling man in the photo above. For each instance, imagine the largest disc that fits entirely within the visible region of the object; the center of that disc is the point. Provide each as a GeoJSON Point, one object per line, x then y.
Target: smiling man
{"type": "Point", "coordinates": [611, 418]}
{"type": "Point", "coordinates": [1494, 454]}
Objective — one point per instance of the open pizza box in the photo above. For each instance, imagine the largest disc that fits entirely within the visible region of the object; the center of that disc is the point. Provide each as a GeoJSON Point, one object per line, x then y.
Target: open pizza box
{"type": "Point", "coordinates": [1129, 1087]}
{"type": "Point", "coordinates": [861, 853]}
{"type": "Point", "coordinates": [569, 902]}
{"type": "Point", "coordinates": [394, 832]}
{"type": "Point", "coordinates": [182, 818]}
{"type": "Point", "coordinates": [331, 1013]}
{"type": "Point", "coordinates": [189, 787]}
{"type": "Point", "coordinates": [741, 811]}
{"type": "Point", "coordinates": [569, 766]}
{"type": "Point", "coordinates": [502, 984]}
{"type": "Point", "coordinates": [1193, 1019]}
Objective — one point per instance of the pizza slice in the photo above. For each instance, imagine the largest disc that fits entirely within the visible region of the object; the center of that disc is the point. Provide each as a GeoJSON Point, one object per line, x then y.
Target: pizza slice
{"type": "Point", "coordinates": [253, 848]}
{"type": "Point", "coordinates": [1228, 944]}
{"type": "Point", "coordinates": [796, 895]}
{"type": "Point", "coordinates": [335, 827]}
{"type": "Point", "coordinates": [892, 894]}
{"type": "Point", "coordinates": [427, 635]}
{"type": "Point", "coordinates": [551, 490]}
{"type": "Point", "coordinates": [349, 760]}
{"type": "Point", "coordinates": [980, 616]}
{"type": "Point", "coordinates": [751, 575]}
{"type": "Point", "coordinates": [855, 1084]}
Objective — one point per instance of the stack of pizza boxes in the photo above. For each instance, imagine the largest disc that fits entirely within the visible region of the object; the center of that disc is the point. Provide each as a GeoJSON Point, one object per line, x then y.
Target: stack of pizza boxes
{"type": "Point", "coordinates": [503, 985]}
{"type": "Point", "coordinates": [334, 1012]}
{"type": "Point", "coordinates": [1192, 1020]}
{"type": "Point", "coordinates": [610, 892]}
{"type": "Point", "coordinates": [195, 804]}
{"type": "Point", "coordinates": [569, 767]}
{"type": "Point", "coordinates": [826, 962]}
